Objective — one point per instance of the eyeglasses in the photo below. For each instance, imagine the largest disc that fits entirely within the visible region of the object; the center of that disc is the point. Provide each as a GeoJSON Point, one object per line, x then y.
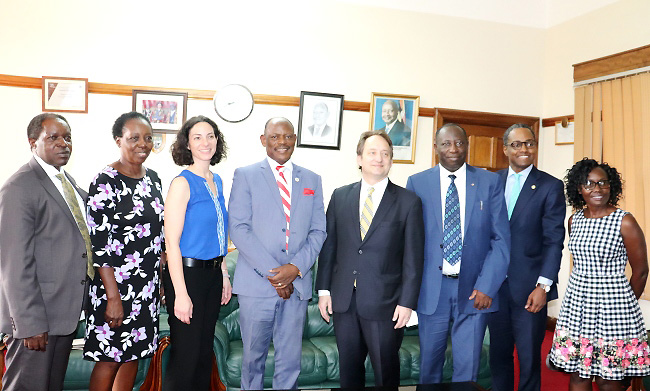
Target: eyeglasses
{"type": "Point", "coordinates": [457, 143]}
{"type": "Point", "coordinates": [517, 144]}
{"type": "Point", "coordinates": [589, 185]}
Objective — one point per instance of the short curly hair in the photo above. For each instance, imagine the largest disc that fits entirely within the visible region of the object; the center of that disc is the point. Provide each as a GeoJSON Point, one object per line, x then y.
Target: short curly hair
{"type": "Point", "coordinates": [120, 122]}
{"type": "Point", "coordinates": [577, 176]}
{"type": "Point", "coordinates": [180, 149]}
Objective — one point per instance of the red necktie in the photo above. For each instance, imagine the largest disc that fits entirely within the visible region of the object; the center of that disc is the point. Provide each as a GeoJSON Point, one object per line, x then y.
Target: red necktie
{"type": "Point", "coordinates": [283, 185]}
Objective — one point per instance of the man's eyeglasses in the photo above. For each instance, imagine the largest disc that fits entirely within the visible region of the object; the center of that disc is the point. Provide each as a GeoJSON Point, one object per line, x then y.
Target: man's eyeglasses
{"type": "Point", "coordinates": [457, 143]}
{"type": "Point", "coordinates": [517, 144]}
{"type": "Point", "coordinates": [589, 185]}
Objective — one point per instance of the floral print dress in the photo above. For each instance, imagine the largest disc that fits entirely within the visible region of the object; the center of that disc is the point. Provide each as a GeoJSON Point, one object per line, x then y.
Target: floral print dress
{"type": "Point", "coordinates": [125, 218]}
{"type": "Point", "coordinates": [600, 330]}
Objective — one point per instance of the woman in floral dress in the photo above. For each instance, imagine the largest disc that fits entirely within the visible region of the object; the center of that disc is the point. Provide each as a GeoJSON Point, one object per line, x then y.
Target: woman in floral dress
{"type": "Point", "coordinates": [125, 218]}
{"type": "Point", "coordinates": [600, 331]}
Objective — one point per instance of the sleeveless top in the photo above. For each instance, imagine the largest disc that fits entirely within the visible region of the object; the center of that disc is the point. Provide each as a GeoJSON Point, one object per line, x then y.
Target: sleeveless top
{"type": "Point", "coordinates": [205, 231]}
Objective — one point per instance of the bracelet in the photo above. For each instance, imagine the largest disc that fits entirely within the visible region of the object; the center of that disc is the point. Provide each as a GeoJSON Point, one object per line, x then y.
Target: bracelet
{"type": "Point", "coordinates": [225, 274]}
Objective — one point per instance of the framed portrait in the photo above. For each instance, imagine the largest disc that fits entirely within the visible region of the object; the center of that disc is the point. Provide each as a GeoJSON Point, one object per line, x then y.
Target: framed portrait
{"type": "Point", "coordinates": [65, 94]}
{"type": "Point", "coordinates": [564, 133]}
{"type": "Point", "coordinates": [158, 142]}
{"type": "Point", "coordinates": [397, 115]}
{"type": "Point", "coordinates": [319, 124]}
{"type": "Point", "coordinates": [165, 110]}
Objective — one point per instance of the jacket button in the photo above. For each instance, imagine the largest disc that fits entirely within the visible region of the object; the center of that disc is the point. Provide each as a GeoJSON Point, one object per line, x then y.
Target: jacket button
{"type": "Point", "coordinates": [360, 251]}
{"type": "Point", "coordinates": [83, 282]}
{"type": "Point", "coordinates": [283, 250]}
{"type": "Point", "coordinates": [440, 267]}
{"type": "Point", "coordinates": [284, 230]}
{"type": "Point", "coordinates": [84, 255]}
{"type": "Point", "coordinates": [440, 245]}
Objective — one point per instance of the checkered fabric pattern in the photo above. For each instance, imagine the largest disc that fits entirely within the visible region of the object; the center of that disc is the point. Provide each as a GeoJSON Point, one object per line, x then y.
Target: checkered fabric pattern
{"type": "Point", "coordinates": [599, 304]}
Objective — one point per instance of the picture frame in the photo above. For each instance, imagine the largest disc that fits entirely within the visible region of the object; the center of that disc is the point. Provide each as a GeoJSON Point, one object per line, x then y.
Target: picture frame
{"type": "Point", "coordinates": [564, 135]}
{"type": "Point", "coordinates": [402, 115]}
{"type": "Point", "coordinates": [320, 120]}
{"type": "Point", "coordinates": [165, 110]}
{"type": "Point", "coordinates": [159, 140]}
{"type": "Point", "coordinates": [64, 94]}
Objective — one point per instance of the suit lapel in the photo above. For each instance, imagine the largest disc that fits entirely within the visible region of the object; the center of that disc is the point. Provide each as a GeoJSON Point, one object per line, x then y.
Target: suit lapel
{"type": "Point", "coordinates": [527, 191]}
{"type": "Point", "coordinates": [269, 178]}
{"type": "Point", "coordinates": [433, 183]}
{"type": "Point", "coordinates": [470, 195]}
{"type": "Point", "coordinates": [46, 182]}
{"type": "Point", "coordinates": [352, 202]}
{"type": "Point", "coordinates": [296, 187]}
{"type": "Point", "coordinates": [385, 205]}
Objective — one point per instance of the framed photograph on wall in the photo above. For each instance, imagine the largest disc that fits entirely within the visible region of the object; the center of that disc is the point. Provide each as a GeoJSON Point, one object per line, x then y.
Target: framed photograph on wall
{"type": "Point", "coordinates": [397, 115]}
{"type": "Point", "coordinates": [166, 110]}
{"type": "Point", "coordinates": [65, 94]}
{"type": "Point", "coordinates": [320, 121]}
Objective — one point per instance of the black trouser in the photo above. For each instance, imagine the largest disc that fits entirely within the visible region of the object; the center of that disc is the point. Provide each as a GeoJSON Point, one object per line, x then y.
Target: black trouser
{"type": "Point", "coordinates": [190, 361]}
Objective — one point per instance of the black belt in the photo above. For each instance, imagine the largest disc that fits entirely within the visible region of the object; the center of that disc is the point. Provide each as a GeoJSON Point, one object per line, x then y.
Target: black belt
{"type": "Point", "coordinates": [205, 264]}
{"type": "Point", "coordinates": [452, 276]}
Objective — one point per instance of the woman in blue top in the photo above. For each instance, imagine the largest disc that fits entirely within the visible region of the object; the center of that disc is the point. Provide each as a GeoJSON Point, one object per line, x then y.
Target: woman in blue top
{"type": "Point", "coordinates": [196, 279]}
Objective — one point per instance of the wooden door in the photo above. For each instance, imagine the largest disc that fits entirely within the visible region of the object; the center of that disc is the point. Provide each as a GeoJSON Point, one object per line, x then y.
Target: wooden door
{"type": "Point", "coordinates": [485, 134]}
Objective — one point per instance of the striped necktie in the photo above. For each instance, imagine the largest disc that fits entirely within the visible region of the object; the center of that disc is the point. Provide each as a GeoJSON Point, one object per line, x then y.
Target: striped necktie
{"type": "Point", "coordinates": [283, 185]}
{"type": "Point", "coordinates": [71, 200]}
{"type": "Point", "coordinates": [367, 214]}
{"type": "Point", "coordinates": [452, 238]}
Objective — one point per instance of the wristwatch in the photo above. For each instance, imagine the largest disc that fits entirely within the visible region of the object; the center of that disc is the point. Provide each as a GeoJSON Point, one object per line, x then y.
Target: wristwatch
{"type": "Point", "coordinates": [547, 288]}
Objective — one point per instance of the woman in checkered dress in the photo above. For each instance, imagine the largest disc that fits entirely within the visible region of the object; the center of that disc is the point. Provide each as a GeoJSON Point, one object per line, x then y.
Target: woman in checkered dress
{"type": "Point", "coordinates": [600, 331]}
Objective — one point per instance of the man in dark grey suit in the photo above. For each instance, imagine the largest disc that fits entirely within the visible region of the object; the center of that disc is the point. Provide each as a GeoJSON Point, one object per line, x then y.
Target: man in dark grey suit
{"type": "Point", "coordinates": [371, 263]}
{"type": "Point", "coordinates": [43, 260]}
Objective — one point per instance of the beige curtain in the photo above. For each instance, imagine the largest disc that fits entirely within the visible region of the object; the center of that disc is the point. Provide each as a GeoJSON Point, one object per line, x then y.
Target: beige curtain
{"type": "Point", "coordinates": [612, 124]}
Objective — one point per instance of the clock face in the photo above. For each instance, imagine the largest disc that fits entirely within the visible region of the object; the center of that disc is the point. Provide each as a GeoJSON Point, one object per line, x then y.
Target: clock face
{"type": "Point", "coordinates": [233, 103]}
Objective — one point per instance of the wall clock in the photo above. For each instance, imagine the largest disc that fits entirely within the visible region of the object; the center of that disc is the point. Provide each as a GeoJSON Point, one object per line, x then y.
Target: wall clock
{"type": "Point", "coordinates": [233, 103]}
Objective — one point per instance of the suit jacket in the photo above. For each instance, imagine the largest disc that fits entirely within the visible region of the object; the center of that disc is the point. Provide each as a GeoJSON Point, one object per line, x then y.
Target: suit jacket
{"type": "Point", "coordinates": [258, 228]}
{"type": "Point", "coordinates": [399, 134]}
{"type": "Point", "coordinates": [387, 264]}
{"type": "Point", "coordinates": [42, 256]}
{"type": "Point", "coordinates": [327, 131]}
{"type": "Point", "coordinates": [486, 240]}
{"type": "Point", "coordinates": [537, 230]}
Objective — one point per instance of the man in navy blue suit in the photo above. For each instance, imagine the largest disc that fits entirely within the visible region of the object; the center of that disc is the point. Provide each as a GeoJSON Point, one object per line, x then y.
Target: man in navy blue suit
{"type": "Point", "coordinates": [467, 250]}
{"type": "Point", "coordinates": [536, 209]}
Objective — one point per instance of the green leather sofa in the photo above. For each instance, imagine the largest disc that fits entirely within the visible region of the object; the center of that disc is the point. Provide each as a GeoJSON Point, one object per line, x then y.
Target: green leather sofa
{"type": "Point", "coordinates": [320, 364]}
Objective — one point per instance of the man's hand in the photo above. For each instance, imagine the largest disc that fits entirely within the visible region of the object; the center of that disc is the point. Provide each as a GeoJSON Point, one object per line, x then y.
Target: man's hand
{"type": "Point", "coordinates": [284, 275]}
{"type": "Point", "coordinates": [285, 291]}
{"type": "Point", "coordinates": [481, 300]}
{"type": "Point", "coordinates": [325, 307]}
{"type": "Point", "coordinates": [536, 300]}
{"type": "Point", "coordinates": [37, 342]}
{"type": "Point", "coordinates": [401, 315]}
{"type": "Point", "coordinates": [114, 314]}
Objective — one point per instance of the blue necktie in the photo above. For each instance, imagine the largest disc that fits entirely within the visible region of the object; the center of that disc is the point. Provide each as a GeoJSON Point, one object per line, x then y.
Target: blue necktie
{"type": "Point", "coordinates": [514, 194]}
{"type": "Point", "coordinates": [452, 238]}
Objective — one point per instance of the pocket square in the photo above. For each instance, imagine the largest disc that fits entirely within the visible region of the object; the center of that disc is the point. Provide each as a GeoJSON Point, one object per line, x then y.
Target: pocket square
{"type": "Point", "coordinates": [307, 191]}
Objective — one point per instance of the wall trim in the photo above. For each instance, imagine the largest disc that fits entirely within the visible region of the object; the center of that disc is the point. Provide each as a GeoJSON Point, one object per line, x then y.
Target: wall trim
{"type": "Point", "coordinates": [615, 63]}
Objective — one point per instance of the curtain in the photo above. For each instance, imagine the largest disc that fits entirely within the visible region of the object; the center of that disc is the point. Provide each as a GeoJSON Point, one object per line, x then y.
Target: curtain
{"type": "Point", "coordinates": [612, 124]}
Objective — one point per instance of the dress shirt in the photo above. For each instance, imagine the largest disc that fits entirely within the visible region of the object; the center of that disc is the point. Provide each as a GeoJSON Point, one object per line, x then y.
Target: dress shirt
{"type": "Point", "coordinates": [51, 172]}
{"type": "Point", "coordinates": [510, 182]}
{"type": "Point", "coordinates": [390, 126]}
{"type": "Point", "coordinates": [461, 186]}
{"type": "Point", "coordinates": [288, 170]}
{"type": "Point", "coordinates": [318, 130]}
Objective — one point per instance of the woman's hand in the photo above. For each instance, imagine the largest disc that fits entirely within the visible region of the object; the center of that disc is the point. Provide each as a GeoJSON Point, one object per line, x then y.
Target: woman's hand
{"type": "Point", "coordinates": [114, 314]}
{"type": "Point", "coordinates": [226, 291]}
{"type": "Point", "coordinates": [183, 308]}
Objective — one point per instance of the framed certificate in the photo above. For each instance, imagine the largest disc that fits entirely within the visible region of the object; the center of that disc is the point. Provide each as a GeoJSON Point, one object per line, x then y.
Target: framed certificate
{"type": "Point", "coordinates": [65, 94]}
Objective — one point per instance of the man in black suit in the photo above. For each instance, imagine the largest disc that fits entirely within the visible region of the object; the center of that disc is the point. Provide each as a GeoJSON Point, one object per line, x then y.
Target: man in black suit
{"type": "Point", "coordinates": [399, 133]}
{"type": "Point", "coordinates": [43, 260]}
{"type": "Point", "coordinates": [370, 266]}
{"type": "Point", "coordinates": [536, 210]}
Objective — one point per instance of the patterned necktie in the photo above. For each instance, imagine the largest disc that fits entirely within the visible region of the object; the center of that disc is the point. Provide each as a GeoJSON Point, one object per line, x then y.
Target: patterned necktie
{"type": "Point", "coordinates": [452, 238]}
{"type": "Point", "coordinates": [71, 200]}
{"type": "Point", "coordinates": [286, 199]}
{"type": "Point", "coordinates": [367, 213]}
{"type": "Point", "coordinates": [514, 194]}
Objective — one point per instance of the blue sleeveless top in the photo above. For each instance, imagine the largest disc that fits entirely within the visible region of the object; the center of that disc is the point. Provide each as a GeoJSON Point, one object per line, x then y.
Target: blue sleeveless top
{"type": "Point", "coordinates": [205, 231]}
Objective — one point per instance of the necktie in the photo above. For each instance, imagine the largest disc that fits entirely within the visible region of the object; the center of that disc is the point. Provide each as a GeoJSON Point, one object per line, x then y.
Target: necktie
{"type": "Point", "coordinates": [452, 237]}
{"type": "Point", "coordinates": [366, 214]}
{"type": "Point", "coordinates": [283, 185]}
{"type": "Point", "coordinates": [71, 199]}
{"type": "Point", "coordinates": [514, 194]}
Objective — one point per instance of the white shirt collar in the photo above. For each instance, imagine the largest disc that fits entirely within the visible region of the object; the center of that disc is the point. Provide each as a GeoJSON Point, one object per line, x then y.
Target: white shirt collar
{"type": "Point", "coordinates": [49, 169]}
{"type": "Point", "coordinates": [524, 173]}
{"type": "Point", "coordinates": [288, 166]}
{"type": "Point", "coordinates": [379, 186]}
{"type": "Point", "coordinates": [461, 172]}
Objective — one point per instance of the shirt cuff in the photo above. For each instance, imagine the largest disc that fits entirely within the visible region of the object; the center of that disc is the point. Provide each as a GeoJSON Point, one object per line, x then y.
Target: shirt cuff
{"type": "Point", "coordinates": [545, 281]}
{"type": "Point", "coordinates": [323, 292]}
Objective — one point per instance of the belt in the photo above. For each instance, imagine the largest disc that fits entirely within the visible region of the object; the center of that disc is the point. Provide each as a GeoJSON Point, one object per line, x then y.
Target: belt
{"type": "Point", "coordinates": [452, 276]}
{"type": "Point", "coordinates": [205, 264]}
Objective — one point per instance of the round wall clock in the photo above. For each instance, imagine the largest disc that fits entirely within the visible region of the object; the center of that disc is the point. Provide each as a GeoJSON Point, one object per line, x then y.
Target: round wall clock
{"type": "Point", "coordinates": [233, 103]}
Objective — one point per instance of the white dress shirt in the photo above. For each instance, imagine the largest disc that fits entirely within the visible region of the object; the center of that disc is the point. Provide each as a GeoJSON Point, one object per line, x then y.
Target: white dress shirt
{"type": "Point", "coordinates": [461, 186]}
{"type": "Point", "coordinates": [288, 171]}
{"type": "Point", "coordinates": [51, 172]}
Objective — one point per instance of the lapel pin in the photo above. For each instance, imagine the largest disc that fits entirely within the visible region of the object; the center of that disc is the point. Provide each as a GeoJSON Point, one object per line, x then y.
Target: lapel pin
{"type": "Point", "coordinates": [533, 187]}
{"type": "Point", "coordinates": [297, 179]}
{"type": "Point", "coordinates": [472, 184]}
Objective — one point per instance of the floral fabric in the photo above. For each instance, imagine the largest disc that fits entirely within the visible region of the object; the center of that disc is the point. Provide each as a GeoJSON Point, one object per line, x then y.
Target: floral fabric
{"type": "Point", "coordinates": [125, 218]}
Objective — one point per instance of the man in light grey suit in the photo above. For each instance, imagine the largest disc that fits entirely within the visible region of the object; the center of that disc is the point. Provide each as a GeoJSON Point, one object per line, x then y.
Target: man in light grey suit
{"type": "Point", "coordinates": [277, 222]}
{"type": "Point", "coordinates": [42, 261]}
